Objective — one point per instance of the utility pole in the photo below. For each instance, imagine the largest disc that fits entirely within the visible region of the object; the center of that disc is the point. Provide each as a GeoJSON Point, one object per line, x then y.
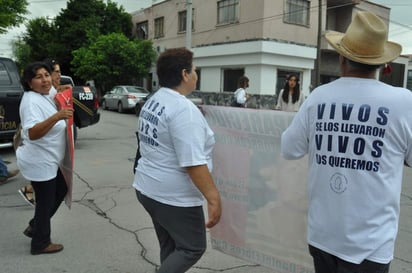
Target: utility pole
{"type": "Point", "coordinates": [318, 48]}
{"type": "Point", "coordinates": [188, 24]}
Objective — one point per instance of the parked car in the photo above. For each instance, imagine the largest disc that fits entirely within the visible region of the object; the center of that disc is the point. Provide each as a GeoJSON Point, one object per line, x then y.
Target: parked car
{"type": "Point", "coordinates": [11, 92]}
{"type": "Point", "coordinates": [192, 97]}
{"type": "Point", "coordinates": [124, 97]}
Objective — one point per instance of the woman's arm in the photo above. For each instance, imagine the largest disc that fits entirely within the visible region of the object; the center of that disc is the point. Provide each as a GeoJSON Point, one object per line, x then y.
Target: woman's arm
{"type": "Point", "coordinates": [202, 179]}
{"type": "Point", "coordinates": [42, 128]}
{"type": "Point", "coordinates": [279, 103]}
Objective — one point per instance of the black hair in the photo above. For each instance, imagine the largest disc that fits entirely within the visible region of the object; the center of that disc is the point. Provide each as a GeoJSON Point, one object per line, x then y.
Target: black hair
{"type": "Point", "coordinates": [242, 82]}
{"type": "Point", "coordinates": [51, 63]}
{"type": "Point", "coordinates": [362, 67]}
{"type": "Point", "coordinates": [170, 65]}
{"type": "Point", "coordinates": [296, 89]}
{"type": "Point", "coordinates": [30, 72]}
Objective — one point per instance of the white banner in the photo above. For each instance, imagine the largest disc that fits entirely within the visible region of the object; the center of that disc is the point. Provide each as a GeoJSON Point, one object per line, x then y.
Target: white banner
{"type": "Point", "coordinates": [264, 196]}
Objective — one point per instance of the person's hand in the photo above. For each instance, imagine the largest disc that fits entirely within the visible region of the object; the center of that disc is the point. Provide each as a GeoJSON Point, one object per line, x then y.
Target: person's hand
{"type": "Point", "coordinates": [65, 113]}
{"type": "Point", "coordinates": [214, 212]}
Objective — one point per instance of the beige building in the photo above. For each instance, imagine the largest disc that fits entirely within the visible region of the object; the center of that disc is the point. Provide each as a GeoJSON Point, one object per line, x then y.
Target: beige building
{"type": "Point", "coordinates": [262, 39]}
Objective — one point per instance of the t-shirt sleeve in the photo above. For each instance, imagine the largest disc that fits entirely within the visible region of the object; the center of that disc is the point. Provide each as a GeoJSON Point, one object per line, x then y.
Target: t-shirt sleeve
{"type": "Point", "coordinates": [294, 140]}
{"type": "Point", "coordinates": [189, 135]}
{"type": "Point", "coordinates": [29, 114]}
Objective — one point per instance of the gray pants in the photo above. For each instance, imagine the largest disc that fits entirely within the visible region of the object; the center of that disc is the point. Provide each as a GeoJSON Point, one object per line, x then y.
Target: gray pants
{"type": "Point", "coordinates": [181, 233]}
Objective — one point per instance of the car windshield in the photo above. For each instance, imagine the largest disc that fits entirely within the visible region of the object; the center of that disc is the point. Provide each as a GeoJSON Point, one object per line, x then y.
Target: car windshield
{"type": "Point", "coordinates": [136, 89]}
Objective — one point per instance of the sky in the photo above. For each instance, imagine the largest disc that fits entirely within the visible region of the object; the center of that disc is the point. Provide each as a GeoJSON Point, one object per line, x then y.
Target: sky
{"type": "Point", "coordinates": [400, 19]}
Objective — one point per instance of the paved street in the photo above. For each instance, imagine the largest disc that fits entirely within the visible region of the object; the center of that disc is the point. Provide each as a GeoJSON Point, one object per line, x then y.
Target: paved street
{"type": "Point", "coordinates": [106, 230]}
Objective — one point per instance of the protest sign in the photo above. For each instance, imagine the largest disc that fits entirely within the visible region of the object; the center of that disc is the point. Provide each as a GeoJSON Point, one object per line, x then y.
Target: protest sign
{"type": "Point", "coordinates": [64, 99]}
{"type": "Point", "coordinates": [263, 196]}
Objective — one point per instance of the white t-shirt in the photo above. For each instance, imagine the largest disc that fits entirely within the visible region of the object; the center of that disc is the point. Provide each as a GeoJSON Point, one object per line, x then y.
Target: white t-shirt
{"type": "Point", "coordinates": [38, 160]}
{"type": "Point", "coordinates": [357, 133]}
{"type": "Point", "coordinates": [289, 106]}
{"type": "Point", "coordinates": [173, 135]}
{"type": "Point", "coordinates": [240, 96]}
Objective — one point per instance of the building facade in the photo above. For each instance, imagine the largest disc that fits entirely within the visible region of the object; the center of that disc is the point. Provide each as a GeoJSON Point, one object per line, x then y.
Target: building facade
{"type": "Point", "coordinates": [263, 39]}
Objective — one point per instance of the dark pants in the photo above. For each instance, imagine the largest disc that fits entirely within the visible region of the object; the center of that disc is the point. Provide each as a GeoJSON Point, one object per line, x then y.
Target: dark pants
{"type": "Point", "coordinates": [49, 196]}
{"type": "Point", "coordinates": [327, 263]}
{"type": "Point", "coordinates": [181, 233]}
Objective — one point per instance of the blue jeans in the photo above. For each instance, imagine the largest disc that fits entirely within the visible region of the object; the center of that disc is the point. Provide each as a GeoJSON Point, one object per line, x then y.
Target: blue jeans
{"type": "Point", "coordinates": [3, 169]}
{"type": "Point", "coordinates": [327, 263]}
{"type": "Point", "coordinates": [181, 233]}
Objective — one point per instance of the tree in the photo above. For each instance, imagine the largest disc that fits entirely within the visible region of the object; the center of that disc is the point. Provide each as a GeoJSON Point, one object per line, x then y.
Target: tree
{"type": "Point", "coordinates": [40, 37]}
{"type": "Point", "coordinates": [83, 21]}
{"type": "Point", "coordinates": [22, 52]}
{"type": "Point", "coordinates": [114, 59]}
{"type": "Point", "coordinates": [11, 13]}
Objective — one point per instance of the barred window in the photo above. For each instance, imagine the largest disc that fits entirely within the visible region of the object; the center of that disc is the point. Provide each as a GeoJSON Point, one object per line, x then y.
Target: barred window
{"type": "Point", "coordinates": [4, 75]}
{"type": "Point", "coordinates": [159, 26]}
{"type": "Point", "coordinates": [142, 30]}
{"type": "Point", "coordinates": [227, 11]}
{"type": "Point", "coordinates": [297, 12]}
{"type": "Point", "coordinates": [182, 21]}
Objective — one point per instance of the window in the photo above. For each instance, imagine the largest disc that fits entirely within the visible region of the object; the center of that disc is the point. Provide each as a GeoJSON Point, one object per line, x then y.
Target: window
{"type": "Point", "coordinates": [158, 24]}
{"type": "Point", "coordinates": [230, 78]}
{"type": "Point", "coordinates": [4, 75]}
{"type": "Point", "coordinates": [227, 11]}
{"type": "Point", "coordinates": [182, 21]}
{"type": "Point", "coordinates": [297, 12]}
{"type": "Point", "coordinates": [142, 30]}
{"type": "Point", "coordinates": [409, 82]}
{"type": "Point", "coordinates": [199, 77]}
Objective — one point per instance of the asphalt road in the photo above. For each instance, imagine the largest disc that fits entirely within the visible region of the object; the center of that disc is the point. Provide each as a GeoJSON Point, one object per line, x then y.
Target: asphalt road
{"type": "Point", "coordinates": [106, 230]}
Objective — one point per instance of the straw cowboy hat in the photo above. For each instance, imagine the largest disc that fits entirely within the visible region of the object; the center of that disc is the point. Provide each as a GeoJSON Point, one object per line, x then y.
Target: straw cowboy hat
{"type": "Point", "coordinates": [365, 41]}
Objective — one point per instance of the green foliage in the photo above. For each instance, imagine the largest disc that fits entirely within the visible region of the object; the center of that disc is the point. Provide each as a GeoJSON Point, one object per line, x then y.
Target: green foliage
{"type": "Point", "coordinates": [93, 37]}
{"type": "Point", "coordinates": [39, 37]}
{"type": "Point", "coordinates": [114, 59]}
{"type": "Point", "coordinates": [83, 21]}
{"type": "Point", "coordinates": [22, 52]}
{"type": "Point", "coordinates": [11, 13]}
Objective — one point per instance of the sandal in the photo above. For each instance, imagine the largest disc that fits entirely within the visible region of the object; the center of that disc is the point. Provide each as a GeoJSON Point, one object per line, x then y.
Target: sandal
{"type": "Point", "coordinates": [27, 195]}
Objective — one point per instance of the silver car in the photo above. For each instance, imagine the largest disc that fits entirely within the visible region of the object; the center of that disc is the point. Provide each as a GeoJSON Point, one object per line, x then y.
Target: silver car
{"type": "Point", "coordinates": [124, 97]}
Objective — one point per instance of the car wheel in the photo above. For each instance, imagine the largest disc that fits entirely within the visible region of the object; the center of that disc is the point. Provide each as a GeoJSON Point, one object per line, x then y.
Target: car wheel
{"type": "Point", "coordinates": [120, 108]}
{"type": "Point", "coordinates": [137, 109]}
{"type": "Point", "coordinates": [104, 106]}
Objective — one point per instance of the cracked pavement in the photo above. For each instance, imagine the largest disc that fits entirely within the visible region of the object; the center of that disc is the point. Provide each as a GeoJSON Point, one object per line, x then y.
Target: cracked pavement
{"type": "Point", "coordinates": [106, 230]}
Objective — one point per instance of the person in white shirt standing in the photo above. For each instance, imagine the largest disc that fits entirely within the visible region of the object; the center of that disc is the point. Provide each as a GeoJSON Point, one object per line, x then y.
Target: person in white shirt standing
{"type": "Point", "coordinates": [173, 174]}
{"type": "Point", "coordinates": [240, 95]}
{"type": "Point", "coordinates": [357, 133]}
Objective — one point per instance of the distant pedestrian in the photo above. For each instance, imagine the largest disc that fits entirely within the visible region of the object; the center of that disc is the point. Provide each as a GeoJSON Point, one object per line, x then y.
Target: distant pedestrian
{"type": "Point", "coordinates": [290, 97]}
{"type": "Point", "coordinates": [173, 174]}
{"type": "Point", "coordinates": [357, 132]}
{"type": "Point", "coordinates": [240, 96]}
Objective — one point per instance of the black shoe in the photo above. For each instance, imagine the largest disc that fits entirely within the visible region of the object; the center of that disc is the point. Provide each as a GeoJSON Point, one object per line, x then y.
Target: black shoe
{"type": "Point", "coordinates": [28, 232]}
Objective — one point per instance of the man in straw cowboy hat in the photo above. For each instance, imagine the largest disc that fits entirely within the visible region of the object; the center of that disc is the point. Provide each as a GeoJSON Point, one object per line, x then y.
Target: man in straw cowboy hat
{"type": "Point", "coordinates": [357, 132]}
